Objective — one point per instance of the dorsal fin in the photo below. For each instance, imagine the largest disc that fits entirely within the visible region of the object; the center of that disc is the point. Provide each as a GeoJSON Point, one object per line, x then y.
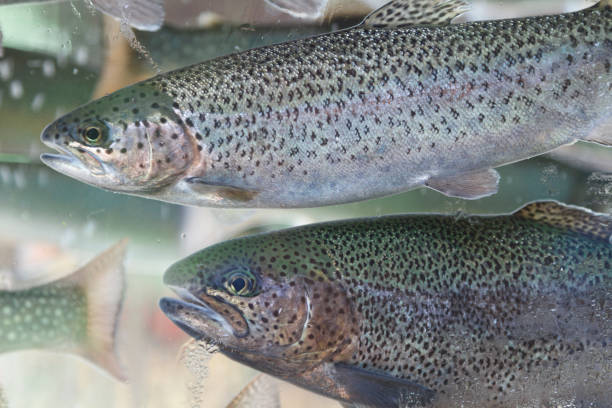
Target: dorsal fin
{"type": "Point", "coordinates": [564, 216]}
{"type": "Point", "coordinates": [398, 13]}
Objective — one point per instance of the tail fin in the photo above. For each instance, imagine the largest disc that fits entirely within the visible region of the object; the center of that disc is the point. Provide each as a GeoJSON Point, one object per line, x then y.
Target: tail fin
{"type": "Point", "coordinates": [581, 220]}
{"type": "Point", "coordinates": [102, 280]}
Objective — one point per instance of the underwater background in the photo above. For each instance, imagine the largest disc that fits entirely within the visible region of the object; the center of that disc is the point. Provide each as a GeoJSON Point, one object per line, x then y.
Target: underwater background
{"type": "Point", "coordinates": [57, 56]}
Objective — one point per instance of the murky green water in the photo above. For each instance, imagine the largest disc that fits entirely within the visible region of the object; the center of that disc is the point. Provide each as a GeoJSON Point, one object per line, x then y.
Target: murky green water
{"type": "Point", "coordinates": [55, 57]}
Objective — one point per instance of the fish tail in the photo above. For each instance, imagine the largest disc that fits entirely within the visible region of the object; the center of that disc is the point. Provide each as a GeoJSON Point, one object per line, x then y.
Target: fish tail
{"type": "Point", "coordinates": [102, 281]}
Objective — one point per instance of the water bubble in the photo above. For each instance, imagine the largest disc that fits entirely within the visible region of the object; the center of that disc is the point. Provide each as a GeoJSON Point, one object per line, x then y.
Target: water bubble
{"type": "Point", "coordinates": [5, 175]}
{"type": "Point", "coordinates": [195, 355]}
{"type": "Point", "coordinates": [16, 89]}
{"type": "Point", "coordinates": [6, 69]}
{"type": "Point", "coordinates": [20, 179]}
{"type": "Point", "coordinates": [38, 101]}
{"type": "Point", "coordinates": [48, 68]}
{"type": "Point", "coordinates": [81, 55]}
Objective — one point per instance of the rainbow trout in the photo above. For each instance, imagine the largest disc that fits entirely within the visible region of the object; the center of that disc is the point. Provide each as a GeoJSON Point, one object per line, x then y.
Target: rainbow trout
{"type": "Point", "coordinates": [415, 310]}
{"type": "Point", "coordinates": [76, 314]}
{"type": "Point", "coordinates": [400, 101]}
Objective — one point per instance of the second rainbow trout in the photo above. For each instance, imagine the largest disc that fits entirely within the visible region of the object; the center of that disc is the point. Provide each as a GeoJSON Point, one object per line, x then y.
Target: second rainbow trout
{"type": "Point", "coordinates": [415, 310]}
{"type": "Point", "coordinates": [404, 99]}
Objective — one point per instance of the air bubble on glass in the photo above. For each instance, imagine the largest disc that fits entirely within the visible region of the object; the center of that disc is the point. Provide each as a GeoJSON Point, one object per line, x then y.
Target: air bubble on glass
{"type": "Point", "coordinates": [6, 69]}
{"type": "Point", "coordinates": [38, 101]}
{"type": "Point", "coordinates": [195, 356]}
{"type": "Point", "coordinates": [16, 89]}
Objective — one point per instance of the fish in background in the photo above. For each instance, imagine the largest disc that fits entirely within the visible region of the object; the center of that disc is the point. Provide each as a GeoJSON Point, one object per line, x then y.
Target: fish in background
{"type": "Point", "coordinates": [403, 100]}
{"type": "Point", "coordinates": [415, 310]}
{"type": "Point", "coordinates": [147, 15]}
{"type": "Point", "coordinates": [75, 314]}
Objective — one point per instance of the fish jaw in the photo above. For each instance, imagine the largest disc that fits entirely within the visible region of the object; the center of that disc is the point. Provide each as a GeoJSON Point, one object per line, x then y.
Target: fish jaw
{"type": "Point", "coordinates": [183, 314]}
{"type": "Point", "coordinates": [85, 166]}
{"type": "Point", "coordinates": [76, 160]}
{"type": "Point", "coordinates": [200, 317]}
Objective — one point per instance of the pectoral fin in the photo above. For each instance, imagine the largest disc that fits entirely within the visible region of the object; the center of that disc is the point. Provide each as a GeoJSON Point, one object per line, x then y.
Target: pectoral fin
{"type": "Point", "coordinates": [223, 191]}
{"type": "Point", "coordinates": [469, 186]}
{"type": "Point", "coordinates": [306, 9]}
{"type": "Point", "coordinates": [147, 15]}
{"type": "Point", "coordinates": [398, 13]}
{"type": "Point", "coordinates": [563, 216]}
{"type": "Point", "coordinates": [602, 139]}
{"type": "Point", "coordinates": [366, 388]}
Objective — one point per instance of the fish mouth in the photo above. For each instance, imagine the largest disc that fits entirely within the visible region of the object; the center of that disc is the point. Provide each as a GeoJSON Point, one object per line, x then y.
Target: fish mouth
{"type": "Point", "coordinates": [82, 166]}
{"type": "Point", "coordinates": [199, 318]}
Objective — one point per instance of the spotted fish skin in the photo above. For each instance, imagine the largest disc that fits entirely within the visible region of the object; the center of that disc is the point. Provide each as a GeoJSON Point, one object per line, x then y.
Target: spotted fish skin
{"type": "Point", "coordinates": [509, 310]}
{"type": "Point", "coordinates": [42, 317]}
{"type": "Point", "coordinates": [354, 114]}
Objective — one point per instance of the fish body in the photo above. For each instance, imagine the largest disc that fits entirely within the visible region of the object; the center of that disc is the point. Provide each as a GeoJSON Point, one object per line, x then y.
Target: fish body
{"type": "Point", "coordinates": [76, 314]}
{"type": "Point", "coordinates": [377, 109]}
{"type": "Point", "coordinates": [415, 310]}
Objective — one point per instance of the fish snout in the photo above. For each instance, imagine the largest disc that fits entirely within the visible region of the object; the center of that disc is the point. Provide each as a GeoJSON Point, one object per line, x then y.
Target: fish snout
{"type": "Point", "coordinates": [50, 135]}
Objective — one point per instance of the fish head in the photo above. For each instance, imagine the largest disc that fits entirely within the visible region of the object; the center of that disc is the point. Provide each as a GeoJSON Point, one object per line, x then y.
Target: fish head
{"type": "Point", "coordinates": [122, 142]}
{"type": "Point", "coordinates": [249, 298]}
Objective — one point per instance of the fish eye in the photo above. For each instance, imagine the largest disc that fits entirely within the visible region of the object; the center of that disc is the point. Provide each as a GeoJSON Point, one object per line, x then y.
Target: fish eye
{"type": "Point", "coordinates": [240, 284]}
{"type": "Point", "coordinates": [93, 135]}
